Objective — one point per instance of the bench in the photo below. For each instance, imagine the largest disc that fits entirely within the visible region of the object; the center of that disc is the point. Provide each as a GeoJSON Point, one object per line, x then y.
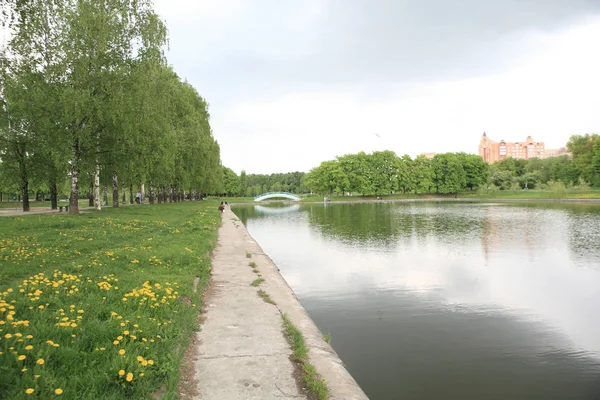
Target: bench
{"type": "Point", "coordinates": [60, 208]}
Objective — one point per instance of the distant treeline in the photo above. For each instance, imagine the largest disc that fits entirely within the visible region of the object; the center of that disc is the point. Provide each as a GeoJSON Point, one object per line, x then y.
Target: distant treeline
{"type": "Point", "coordinates": [384, 172]}
{"type": "Point", "coordinates": [254, 184]}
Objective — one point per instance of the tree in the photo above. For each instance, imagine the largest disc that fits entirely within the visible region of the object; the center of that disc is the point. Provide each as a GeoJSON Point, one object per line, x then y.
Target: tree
{"type": "Point", "coordinates": [595, 173]}
{"type": "Point", "coordinates": [231, 182]}
{"type": "Point", "coordinates": [243, 183]}
{"type": "Point", "coordinates": [448, 173]}
{"type": "Point", "coordinates": [582, 149]}
{"type": "Point", "coordinates": [476, 170]}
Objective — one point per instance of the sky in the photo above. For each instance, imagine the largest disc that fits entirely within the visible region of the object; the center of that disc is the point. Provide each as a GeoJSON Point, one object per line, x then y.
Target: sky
{"type": "Point", "coordinates": [293, 83]}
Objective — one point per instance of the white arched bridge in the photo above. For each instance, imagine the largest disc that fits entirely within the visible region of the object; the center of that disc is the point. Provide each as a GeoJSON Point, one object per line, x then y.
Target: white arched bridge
{"type": "Point", "coordinates": [277, 195]}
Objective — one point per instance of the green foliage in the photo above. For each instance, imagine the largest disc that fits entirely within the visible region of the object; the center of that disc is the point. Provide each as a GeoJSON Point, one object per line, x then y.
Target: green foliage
{"type": "Point", "coordinates": [449, 176]}
{"type": "Point", "coordinates": [231, 182]}
{"type": "Point", "coordinates": [100, 97]}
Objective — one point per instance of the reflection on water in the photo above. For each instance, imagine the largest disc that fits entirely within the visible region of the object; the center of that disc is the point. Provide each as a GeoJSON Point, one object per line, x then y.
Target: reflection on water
{"type": "Point", "coordinates": [452, 301]}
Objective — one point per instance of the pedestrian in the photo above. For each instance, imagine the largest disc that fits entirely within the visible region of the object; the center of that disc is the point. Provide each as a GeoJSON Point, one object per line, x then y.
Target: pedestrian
{"type": "Point", "coordinates": [138, 198]}
{"type": "Point", "coordinates": [221, 207]}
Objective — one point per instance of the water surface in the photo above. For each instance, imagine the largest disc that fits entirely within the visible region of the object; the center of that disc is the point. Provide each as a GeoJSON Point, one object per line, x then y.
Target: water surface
{"type": "Point", "coordinates": [448, 301]}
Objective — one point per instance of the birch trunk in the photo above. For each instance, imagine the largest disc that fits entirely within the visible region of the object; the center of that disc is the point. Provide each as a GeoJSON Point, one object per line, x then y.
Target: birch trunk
{"type": "Point", "coordinates": [105, 196]}
{"type": "Point", "coordinates": [142, 192]}
{"type": "Point", "coordinates": [115, 189]}
{"type": "Point", "coordinates": [97, 187]}
{"type": "Point", "coordinates": [74, 200]}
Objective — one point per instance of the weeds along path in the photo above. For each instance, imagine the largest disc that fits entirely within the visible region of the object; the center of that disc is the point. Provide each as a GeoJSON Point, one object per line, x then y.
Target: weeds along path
{"type": "Point", "coordinates": [101, 305]}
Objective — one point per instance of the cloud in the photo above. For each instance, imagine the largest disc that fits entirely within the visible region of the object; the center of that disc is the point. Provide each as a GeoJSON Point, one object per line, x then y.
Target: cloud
{"type": "Point", "coordinates": [291, 84]}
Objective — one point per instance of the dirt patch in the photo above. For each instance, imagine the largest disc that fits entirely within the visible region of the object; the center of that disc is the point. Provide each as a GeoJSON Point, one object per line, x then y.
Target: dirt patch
{"type": "Point", "coordinates": [188, 384]}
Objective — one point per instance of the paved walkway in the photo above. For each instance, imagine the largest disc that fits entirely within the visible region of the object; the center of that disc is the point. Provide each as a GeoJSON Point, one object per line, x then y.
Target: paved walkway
{"type": "Point", "coordinates": [242, 351]}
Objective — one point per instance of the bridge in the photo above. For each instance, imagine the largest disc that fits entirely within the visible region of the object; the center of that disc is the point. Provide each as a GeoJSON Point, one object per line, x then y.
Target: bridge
{"type": "Point", "coordinates": [275, 195]}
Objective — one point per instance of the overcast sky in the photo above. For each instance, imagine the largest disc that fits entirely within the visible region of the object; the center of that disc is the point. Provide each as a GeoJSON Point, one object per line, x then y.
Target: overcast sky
{"type": "Point", "coordinates": [294, 83]}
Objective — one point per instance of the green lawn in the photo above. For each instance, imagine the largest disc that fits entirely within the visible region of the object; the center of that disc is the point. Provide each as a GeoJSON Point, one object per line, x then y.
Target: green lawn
{"type": "Point", "coordinates": [101, 305]}
{"type": "Point", "coordinates": [35, 204]}
{"type": "Point", "coordinates": [535, 194]}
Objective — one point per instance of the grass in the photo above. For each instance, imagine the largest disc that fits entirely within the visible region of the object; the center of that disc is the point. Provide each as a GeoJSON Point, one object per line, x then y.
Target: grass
{"type": "Point", "coordinates": [257, 282]}
{"type": "Point", "coordinates": [265, 296]}
{"type": "Point", "coordinates": [101, 305]}
{"type": "Point", "coordinates": [535, 194]}
{"type": "Point", "coordinates": [248, 255]}
{"type": "Point", "coordinates": [36, 204]}
{"type": "Point", "coordinates": [311, 378]}
{"type": "Point", "coordinates": [327, 337]}
{"type": "Point", "coordinates": [252, 264]}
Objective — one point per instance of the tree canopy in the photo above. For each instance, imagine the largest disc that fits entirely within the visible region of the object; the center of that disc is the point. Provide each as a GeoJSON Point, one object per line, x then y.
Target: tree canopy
{"type": "Point", "coordinates": [88, 96]}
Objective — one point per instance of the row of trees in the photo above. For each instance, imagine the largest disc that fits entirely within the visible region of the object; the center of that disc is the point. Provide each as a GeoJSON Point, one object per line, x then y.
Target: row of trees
{"type": "Point", "coordinates": [254, 184]}
{"type": "Point", "coordinates": [383, 172]}
{"type": "Point", "coordinates": [87, 96]}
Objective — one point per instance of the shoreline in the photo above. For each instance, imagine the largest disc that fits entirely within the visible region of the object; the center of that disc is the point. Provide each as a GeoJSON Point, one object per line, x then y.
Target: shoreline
{"type": "Point", "coordinates": [431, 200]}
{"type": "Point", "coordinates": [247, 314]}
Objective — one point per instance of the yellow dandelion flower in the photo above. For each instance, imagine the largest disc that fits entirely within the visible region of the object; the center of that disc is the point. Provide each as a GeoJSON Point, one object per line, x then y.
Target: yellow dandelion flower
{"type": "Point", "coordinates": [129, 377]}
{"type": "Point", "coordinates": [125, 333]}
{"type": "Point", "coordinates": [58, 391]}
{"type": "Point", "coordinates": [28, 347]}
{"type": "Point", "coordinates": [8, 336]}
{"type": "Point", "coordinates": [116, 342]}
{"type": "Point", "coordinates": [151, 362]}
{"type": "Point", "coordinates": [29, 336]}
{"type": "Point", "coordinates": [21, 357]}
{"type": "Point", "coordinates": [30, 390]}
{"type": "Point", "coordinates": [121, 372]}
{"type": "Point", "coordinates": [122, 351]}
{"type": "Point", "coordinates": [140, 358]}
{"type": "Point", "coordinates": [41, 361]}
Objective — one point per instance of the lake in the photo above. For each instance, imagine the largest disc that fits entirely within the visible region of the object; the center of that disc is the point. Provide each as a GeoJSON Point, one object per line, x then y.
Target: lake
{"type": "Point", "coordinates": [447, 300]}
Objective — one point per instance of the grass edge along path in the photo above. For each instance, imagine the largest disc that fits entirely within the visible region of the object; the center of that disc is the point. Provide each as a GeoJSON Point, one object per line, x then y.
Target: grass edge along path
{"type": "Point", "coordinates": [101, 305]}
{"type": "Point", "coordinates": [315, 385]}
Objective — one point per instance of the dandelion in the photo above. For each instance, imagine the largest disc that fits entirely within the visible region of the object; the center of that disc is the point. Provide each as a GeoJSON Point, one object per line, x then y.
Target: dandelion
{"type": "Point", "coordinates": [30, 390]}
{"type": "Point", "coordinates": [116, 342]}
{"type": "Point", "coordinates": [40, 361]}
{"type": "Point", "coordinates": [8, 336]}
{"type": "Point", "coordinates": [125, 333]}
{"type": "Point", "coordinates": [29, 336]}
{"type": "Point", "coordinates": [129, 377]}
{"type": "Point", "coordinates": [58, 391]}
{"type": "Point", "coordinates": [28, 347]}
{"type": "Point", "coordinates": [140, 358]}
{"type": "Point", "coordinates": [122, 351]}
{"type": "Point", "coordinates": [21, 357]}
{"type": "Point", "coordinates": [151, 362]}
{"type": "Point", "coordinates": [121, 372]}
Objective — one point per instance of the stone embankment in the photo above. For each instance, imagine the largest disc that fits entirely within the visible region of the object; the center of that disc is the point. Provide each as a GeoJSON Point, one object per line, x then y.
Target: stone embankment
{"type": "Point", "coordinates": [242, 351]}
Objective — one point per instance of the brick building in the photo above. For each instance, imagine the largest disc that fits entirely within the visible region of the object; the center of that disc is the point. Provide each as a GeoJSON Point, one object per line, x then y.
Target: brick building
{"type": "Point", "coordinates": [492, 151]}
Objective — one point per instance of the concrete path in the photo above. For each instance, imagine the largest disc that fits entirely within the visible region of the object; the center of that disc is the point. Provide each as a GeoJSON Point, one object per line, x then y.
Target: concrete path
{"type": "Point", "coordinates": [242, 353]}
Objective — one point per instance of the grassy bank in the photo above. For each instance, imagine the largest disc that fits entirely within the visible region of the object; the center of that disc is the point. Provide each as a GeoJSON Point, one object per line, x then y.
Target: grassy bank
{"type": "Point", "coordinates": [101, 305]}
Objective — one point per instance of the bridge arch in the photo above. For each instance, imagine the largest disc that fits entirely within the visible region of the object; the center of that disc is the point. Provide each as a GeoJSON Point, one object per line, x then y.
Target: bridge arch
{"type": "Point", "coordinates": [274, 195]}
